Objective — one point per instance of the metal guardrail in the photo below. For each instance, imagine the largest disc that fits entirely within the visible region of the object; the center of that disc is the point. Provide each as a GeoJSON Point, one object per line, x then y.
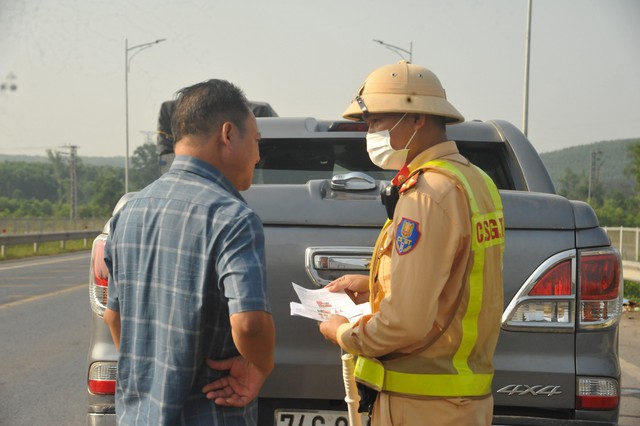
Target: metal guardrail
{"type": "Point", "coordinates": [41, 225]}
{"type": "Point", "coordinates": [631, 271]}
{"type": "Point", "coordinates": [37, 239]}
{"type": "Point", "coordinates": [626, 240]}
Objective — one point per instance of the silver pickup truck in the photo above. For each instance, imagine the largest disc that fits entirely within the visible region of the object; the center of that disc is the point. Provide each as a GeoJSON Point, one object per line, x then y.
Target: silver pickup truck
{"type": "Point", "coordinates": [318, 196]}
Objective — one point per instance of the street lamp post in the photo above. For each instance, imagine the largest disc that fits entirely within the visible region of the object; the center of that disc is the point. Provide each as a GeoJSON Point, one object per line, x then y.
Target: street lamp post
{"type": "Point", "coordinates": [127, 61]}
{"type": "Point", "coordinates": [527, 56]}
{"type": "Point", "coordinates": [398, 49]}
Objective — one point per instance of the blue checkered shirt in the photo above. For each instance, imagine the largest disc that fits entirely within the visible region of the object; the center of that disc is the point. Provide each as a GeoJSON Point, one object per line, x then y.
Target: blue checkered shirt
{"type": "Point", "coordinates": [183, 254]}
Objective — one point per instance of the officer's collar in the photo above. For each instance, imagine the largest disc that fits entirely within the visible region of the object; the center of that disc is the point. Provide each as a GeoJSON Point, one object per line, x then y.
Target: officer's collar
{"type": "Point", "coordinates": [440, 150]}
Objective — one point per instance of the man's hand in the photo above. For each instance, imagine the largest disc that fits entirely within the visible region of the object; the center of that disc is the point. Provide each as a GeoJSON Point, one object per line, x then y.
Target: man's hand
{"type": "Point", "coordinates": [240, 387]}
{"type": "Point", "coordinates": [329, 328]}
{"type": "Point", "coordinates": [356, 286]}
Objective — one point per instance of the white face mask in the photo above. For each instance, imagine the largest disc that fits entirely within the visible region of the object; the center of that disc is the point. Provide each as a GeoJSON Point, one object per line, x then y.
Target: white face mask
{"type": "Point", "coordinates": [382, 153]}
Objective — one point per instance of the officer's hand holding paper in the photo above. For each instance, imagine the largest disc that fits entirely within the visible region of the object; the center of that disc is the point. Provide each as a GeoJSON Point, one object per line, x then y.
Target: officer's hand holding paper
{"type": "Point", "coordinates": [321, 304]}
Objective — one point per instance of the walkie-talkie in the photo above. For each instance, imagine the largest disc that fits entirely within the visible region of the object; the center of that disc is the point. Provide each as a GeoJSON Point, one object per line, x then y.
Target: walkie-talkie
{"type": "Point", "coordinates": [389, 196]}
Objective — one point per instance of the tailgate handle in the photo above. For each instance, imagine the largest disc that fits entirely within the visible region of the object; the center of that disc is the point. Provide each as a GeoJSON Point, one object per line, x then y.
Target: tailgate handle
{"type": "Point", "coordinates": [324, 264]}
{"type": "Point", "coordinates": [354, 181]}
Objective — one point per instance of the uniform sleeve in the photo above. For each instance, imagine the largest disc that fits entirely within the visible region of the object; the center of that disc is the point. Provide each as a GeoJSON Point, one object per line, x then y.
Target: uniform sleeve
{"type": "Point", "coordinates": [242, 267]}
{"type": "Point", "coordinates": [426, 242]}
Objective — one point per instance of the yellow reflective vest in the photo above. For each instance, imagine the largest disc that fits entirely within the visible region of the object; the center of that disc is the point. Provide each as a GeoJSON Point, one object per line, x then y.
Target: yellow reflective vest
{"type": "Point", "coordinates": [417, 373]}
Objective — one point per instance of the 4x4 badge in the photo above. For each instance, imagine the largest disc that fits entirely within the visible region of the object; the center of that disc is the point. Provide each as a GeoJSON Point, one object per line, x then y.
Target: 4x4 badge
{"type": "Point", "coordinates": [536, 390]}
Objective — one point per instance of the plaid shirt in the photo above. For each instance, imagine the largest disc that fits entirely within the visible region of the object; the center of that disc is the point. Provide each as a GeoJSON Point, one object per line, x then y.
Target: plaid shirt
{"type": "Point", "coordinates": [183, 254]}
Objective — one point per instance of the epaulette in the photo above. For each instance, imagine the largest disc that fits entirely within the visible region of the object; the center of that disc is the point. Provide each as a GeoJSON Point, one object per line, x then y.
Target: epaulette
{"type": "Point", "coordinates": [401, 176]}
{"type": "Point", "coordinates": [402, 182]}
{"type": "Point", "coordinates": [411, 182]}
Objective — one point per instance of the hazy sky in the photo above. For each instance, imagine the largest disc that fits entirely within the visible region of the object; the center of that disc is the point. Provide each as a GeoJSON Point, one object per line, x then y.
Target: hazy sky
{"type": "Point", "coordinates": [308, 58]}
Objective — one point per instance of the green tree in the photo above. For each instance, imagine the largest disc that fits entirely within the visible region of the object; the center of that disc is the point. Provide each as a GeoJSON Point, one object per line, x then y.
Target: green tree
{"type": "Point", "coordinates": [573, 186]}
{"type": "Point", "coordinates": [90, 177]}
{"type": "Point", "coordinates": [633, 168]}
{"type": "Point", "coordinates": [8, 206]}
{"type": "Point", "coordinates": [145, 168]}
{"type": "Point", "coordinates": [23, 180]}
{"type": "Point", "coordinates": [618, 210]}
{"type": "Point", "coordinates": [37, 189]}
{"type": "Point", "coordinates": [107, 188]}
{"type": "Point", "coordinates": [60, 172]}
{"type": "Point", "coordinates": [612, 213]}
{"type": "Point", "coordinates": [632, 291]}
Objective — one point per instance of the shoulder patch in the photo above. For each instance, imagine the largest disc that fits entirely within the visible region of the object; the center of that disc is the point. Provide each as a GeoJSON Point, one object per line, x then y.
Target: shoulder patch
{"type": "Point", "coordinates": [407, 236]}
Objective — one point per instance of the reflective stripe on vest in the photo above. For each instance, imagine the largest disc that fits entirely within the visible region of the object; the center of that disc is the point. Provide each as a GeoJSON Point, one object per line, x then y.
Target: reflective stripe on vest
{"type": "Point", "coordinates": [487, 231]}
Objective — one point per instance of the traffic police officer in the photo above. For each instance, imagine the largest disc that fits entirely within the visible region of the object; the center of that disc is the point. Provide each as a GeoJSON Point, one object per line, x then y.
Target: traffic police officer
{"type": "Point", "coordinates": [435, 284]}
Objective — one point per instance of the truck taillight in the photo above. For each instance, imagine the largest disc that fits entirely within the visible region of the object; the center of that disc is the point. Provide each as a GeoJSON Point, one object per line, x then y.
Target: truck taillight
{"type": "Point", "coordinates": [597, 393]}
{"type": "Point", "coordinates": [102, 377]}
{"type": "Point", "coordinates": [547, 300]}
{"type": "Point", "coordinates": [583, 287]}
{"type": "Point", "coordinates": [600, 288]}
{"type": "Point", "coordinates": [555, 282]}
{"type": "Point", "coordinates": [99, 276]}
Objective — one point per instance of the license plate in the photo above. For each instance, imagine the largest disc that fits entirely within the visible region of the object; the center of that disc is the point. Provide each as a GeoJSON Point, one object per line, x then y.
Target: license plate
{"type": "Point", "coordinates": [313, 418]}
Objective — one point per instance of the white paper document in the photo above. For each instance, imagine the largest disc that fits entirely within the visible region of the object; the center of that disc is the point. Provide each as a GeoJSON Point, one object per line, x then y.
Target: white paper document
{"type": "Point", "coordinates": [320, 304]}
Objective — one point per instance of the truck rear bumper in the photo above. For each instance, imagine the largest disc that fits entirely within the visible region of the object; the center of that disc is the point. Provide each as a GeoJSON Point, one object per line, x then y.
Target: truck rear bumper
{"type": "Point", "coordinates": [545, 421]}
{"type": "Point", "coordinates": [101, 419]}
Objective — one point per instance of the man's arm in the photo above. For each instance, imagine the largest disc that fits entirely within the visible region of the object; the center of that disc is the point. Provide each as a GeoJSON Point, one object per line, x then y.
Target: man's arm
{"type": "Point", "coordinates": [242, 272]}
{"type": "Point", "coordinates": [112, 318]}
{"type": "Point", "coordinates": [254, 335]}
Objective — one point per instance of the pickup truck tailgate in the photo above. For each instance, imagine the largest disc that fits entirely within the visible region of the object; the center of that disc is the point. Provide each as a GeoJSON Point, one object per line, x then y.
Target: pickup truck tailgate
{"type": "Point", "coordinates": [534, 368]}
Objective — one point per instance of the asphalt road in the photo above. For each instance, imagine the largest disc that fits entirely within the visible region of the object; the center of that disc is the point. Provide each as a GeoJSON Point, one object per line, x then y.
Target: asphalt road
{"type": "Point", "coordinates": [44, 324]}
{"type": "Point", "coordinates": [25, 280]}
{"type": "Point", "coordinates": [629, 351]}
{"type": "Point", "coordinates": [44, 330]}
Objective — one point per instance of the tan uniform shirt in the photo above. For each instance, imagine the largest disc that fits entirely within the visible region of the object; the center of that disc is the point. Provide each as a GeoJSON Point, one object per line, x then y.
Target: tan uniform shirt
{"type": "Point", "coordinates": [418, 287]}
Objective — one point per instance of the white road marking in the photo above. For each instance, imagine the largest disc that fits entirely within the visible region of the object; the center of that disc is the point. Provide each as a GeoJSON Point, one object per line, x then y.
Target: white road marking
{"type": "Point", "coordinates": [44, 261]}
{"type": "Point", "coordinates": [43, 296]}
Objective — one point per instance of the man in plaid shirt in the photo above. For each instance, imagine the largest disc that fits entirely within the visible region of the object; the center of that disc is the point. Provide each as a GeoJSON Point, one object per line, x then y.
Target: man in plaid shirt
{"type": "Point", "coordinates": [187, 302]}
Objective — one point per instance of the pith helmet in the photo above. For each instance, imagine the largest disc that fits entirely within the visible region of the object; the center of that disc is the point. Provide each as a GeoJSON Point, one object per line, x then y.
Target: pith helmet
{"type": "Point", "coordinates": [402, 87]}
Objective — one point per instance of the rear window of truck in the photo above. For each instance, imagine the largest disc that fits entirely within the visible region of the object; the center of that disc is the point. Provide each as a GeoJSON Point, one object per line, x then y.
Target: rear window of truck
{"type": "Point", "coordinates": [296, 161]}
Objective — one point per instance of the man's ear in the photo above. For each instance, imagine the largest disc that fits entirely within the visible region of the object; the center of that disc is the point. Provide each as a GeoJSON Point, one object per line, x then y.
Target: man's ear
{"type": "Point", "coordinates": [419, 121]}
{"type": "Point", "coordinates": [226, 131]}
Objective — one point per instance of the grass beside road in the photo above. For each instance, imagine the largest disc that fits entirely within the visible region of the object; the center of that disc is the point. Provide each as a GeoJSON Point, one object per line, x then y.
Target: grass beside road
{"type": "Point", "coordinates": [632, 291]}
{"type": "Point", "coordinates": [44, 249]}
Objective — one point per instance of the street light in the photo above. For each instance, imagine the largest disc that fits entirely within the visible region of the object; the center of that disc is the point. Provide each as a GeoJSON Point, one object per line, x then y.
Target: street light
{"type": "Point", "coordinates": [527, 55]}
{"type": "Point", "coordinates": [127, 61]}
{"type": "Point", "coordinates": [398, 49]}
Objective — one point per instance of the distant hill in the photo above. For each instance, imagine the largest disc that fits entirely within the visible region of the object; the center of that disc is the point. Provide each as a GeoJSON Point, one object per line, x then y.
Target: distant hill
{"type": "Point", "coordinates": [90, 161]}
{"type": "Point", "coordinates": [612, 160]}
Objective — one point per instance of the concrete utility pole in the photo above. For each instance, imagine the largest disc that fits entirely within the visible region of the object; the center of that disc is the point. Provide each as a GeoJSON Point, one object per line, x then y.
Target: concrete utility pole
{"type": "Point", "coordinates": [73, 180]}
{"type": "Point", "coordinates": [594, 170]}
